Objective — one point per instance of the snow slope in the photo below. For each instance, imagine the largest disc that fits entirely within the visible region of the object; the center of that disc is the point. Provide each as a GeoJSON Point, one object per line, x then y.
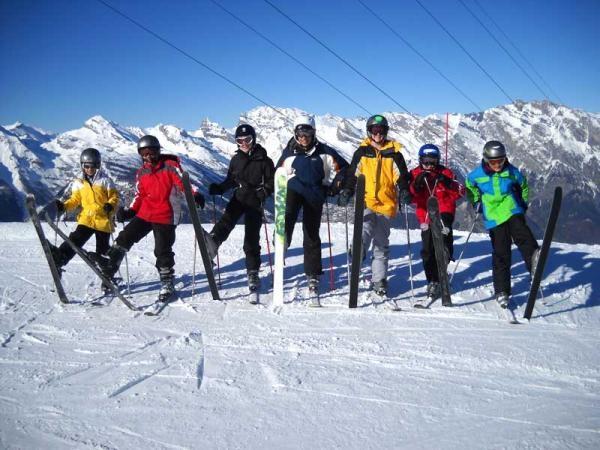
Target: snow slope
{"type": "Point", "coordinates": [225, 374]}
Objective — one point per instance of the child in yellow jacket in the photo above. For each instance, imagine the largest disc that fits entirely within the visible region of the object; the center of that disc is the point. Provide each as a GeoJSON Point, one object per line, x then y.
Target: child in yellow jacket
{"type": "Point", "coordinates": [98, 198]}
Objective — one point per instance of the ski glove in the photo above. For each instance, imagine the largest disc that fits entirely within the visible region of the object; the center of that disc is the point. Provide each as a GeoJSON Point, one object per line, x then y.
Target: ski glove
{"type": "Point", "coordinates": [404, 197]}
{"type": "Point", "coordinates": [215, 189]}
{"type": "Point", "coordinates": [199, 200]}
{"type": "Point", "coordinates": [344, 197]}
{"type": "Point", "coordinates": [478, 207]}
{"type": "Point", "coordinates": [60, 206]}
{"type": "Point", "coordinates": [446, 180]}
{"type": "Point", "coordinates": [107, 208]}
{"type": "Point", "coordinates": [420, 181]}
{"type": "Point", "coordinates": [125, 214]}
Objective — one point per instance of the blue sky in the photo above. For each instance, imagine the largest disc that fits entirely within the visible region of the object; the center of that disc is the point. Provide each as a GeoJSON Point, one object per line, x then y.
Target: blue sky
{"type": "Point", "coordinates": [64, 61]}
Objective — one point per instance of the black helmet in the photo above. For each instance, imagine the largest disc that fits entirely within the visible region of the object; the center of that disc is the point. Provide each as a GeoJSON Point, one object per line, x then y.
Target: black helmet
{"type": "Point", "coordinates": [377, 119]}
{"type": "Point", "coordinates": [148, 141]}
{"type": "Point", "coordinates": [245, 130]}
{"type": "Point", "coordinates": [493, 150]}
{"type": "Point", "coordinates": [90, 156]}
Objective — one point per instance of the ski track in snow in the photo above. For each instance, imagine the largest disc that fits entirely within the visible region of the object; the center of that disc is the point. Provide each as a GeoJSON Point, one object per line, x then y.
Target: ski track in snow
{"type": "Point", "coordinates": [227, 374]}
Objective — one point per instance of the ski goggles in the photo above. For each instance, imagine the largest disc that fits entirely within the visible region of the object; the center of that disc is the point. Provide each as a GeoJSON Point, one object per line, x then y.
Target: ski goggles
{"type": "Point", "coordinates": [429, 162]}
{"type": "Point", "coordinates": [90, 166]}
{"type": "Point", "coordinates": [247, 140]}
{"type": "Point", "coordinates": [305, 134]}
{"type": "Point", "coordinates": [377, 129]}
{"type": "Point", "coordinates": [148, 152]}
{"type": "Point", "coordinates": [496, 162]}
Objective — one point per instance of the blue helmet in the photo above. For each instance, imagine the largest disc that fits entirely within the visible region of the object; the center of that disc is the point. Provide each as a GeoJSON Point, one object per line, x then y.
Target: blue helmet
{"type": "Point", "coordinates": [429, 151]}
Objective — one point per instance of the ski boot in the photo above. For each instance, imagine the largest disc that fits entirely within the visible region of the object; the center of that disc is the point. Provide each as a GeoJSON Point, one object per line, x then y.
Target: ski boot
{"type": "Point", "coordinates": [380, 288]}
{"type": "Point", "coordinates": [212, 245]}
{"type": "Point", "coordinates": [167, 288]}
{"type": "Point", "coordinates": [58, 257]}
{"type": "Point", "coordinates": [313, 291]}
{"type": "Point", "coordinates": [433, 292]}
{"type": "Point", "coordinates": [502, 298]}
{"type": "Point", "coordinates": [109, 264]}
{"type": "Point", "coordinates": [253, 287]}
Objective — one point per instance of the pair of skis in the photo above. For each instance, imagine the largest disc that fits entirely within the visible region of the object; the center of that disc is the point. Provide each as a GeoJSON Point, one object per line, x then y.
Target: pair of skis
{"type": "Point", "coordinates": [85, 256]}
{"type": "Point", "coordinates": [36, 220]}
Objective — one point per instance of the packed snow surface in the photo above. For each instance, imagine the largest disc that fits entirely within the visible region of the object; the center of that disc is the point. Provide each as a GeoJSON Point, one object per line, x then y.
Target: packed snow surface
{"type": "Point", "coordinates": [226, 374]}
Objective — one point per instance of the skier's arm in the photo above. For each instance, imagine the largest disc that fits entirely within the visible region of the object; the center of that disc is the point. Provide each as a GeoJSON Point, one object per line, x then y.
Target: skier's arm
{"type": "Point", "coordinates": [473, 193]}
{"type": "Point", "coordinates": [112, 193]}
{"type": "Point", "coordinates": [269, 177]}
{"type": "Point", "coordinates": [404, 177]}
{"type": "Point", "coordinates": [75, 199]}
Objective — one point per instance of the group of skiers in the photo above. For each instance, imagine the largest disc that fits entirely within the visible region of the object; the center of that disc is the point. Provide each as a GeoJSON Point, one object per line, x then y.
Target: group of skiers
{"type": "Point", "coordinates": [495, 188]}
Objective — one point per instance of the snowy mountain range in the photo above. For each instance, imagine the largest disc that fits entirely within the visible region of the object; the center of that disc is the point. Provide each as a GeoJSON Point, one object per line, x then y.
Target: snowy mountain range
{"type": "Point", "coordinates": [553, 145]}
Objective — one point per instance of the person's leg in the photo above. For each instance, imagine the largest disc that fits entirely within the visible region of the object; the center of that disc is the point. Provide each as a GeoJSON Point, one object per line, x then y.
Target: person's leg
{"type": "Point", "coordinates": [102, 242]}
{"type": "Point", "coordinates": [79, 237]}
{"type": "Point", "coordinates": [252, 223]}
{"type": "Point", "coordinates": [501, 258]}
{"type": "Point", "coordinates": [428, 257]}
{"type": "Point", "coordinates": [227, 222]}
{"type": "Point", "coordinates": [311, 223]}
{"type": "Point", "coordinates": [381, 250]}
{"type": "Point", "coordinates": [523, 238]}
{"type": "Point", "coordinates": [293, 204]}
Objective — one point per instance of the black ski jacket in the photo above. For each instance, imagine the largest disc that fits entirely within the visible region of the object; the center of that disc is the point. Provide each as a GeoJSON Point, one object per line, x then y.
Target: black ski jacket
{"type": "Point", "coordinates": [248, 173]}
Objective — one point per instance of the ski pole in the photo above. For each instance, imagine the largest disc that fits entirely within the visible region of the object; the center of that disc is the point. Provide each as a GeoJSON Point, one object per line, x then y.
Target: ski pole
{"type": "Point", "coordinates": [331, 282]}
{"type": "Point", "coordinates": [264, 219]}
{"type": "Point", "coordinates": [214, 223]}
{"type": "Point", "coordinates": [412, 290]}
{"type": "Point", "coordinates": [464, 246]}
{"type": "Point", "coordinates": [194, 268]}
{"type": "Point", "coordinates": [347, 244]}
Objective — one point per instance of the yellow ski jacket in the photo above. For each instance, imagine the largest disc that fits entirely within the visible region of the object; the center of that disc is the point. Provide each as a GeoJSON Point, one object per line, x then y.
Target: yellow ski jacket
{"type": "Point", "coordinates": [385, 175]}
{"type": "Point", "coordinates": [91, 195]}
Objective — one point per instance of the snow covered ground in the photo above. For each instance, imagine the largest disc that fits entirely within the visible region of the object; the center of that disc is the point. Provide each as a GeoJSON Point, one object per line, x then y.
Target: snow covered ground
{"type": "Point", "coordinates": [225, 374]}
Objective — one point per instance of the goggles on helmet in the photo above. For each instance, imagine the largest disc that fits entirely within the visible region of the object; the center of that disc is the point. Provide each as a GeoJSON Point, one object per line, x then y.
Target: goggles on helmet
{"type": "Point", "coordinates": [428, 161]}
{"type": "Point", "coordinates": [244, 140]}
{"type": "Point", "coordinates": [90, 165]}
{"type": "Point", "coordinates": [147, 152]}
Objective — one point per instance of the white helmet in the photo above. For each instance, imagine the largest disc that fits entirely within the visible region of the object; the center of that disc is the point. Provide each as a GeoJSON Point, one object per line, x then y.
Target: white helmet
{"type": "Point", "coordinates": [306, 120]}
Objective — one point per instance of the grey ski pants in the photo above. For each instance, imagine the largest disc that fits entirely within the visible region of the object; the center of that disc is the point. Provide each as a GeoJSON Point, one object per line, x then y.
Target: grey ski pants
{"type": "Point", "coordinates": [376, 230]}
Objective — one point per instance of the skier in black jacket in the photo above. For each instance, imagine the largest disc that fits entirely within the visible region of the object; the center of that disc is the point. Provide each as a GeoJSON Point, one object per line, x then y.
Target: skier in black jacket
{"type": "Point", "coordinates": [250, 174]}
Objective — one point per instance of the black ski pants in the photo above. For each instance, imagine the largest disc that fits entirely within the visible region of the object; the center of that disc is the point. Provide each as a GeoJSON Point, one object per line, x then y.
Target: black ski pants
{"type": "Point", "coordinates": [514, 230]}
{"type": "Point", "coordinates": [80, 236]}
{"type": "Point", "coordinates": [428, 251]}
{"type": "Point", "coordinates": [164, 238]}
{"type": "Point", "coordinates": [252, 223]}
{"type": "Point", "coordinates": [311, 222]}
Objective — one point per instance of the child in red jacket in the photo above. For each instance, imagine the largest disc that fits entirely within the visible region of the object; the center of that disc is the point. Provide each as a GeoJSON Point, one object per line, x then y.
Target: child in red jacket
{"type": "Point", "coordinates": [431, 179]}
{"type": "Point", "coordinates": [157, 208]}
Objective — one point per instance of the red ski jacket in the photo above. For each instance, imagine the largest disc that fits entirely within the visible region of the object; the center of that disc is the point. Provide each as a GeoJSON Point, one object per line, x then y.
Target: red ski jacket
{"type": "Point", "coordinates": [159, 191]}
{"type": "Point", "coordinates": [438, 182]}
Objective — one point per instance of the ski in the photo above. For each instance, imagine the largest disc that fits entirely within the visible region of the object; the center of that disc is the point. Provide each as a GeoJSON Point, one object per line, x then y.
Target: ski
{"type": "Point", "coordinates": [357, 244]}
{"type": "Point", "coordinates": [199, 231]}
{"type": "Point", "coordinates": [544, 251]}
{"type": "Point", "coordinates": [35, 219]}
{"type": "Point", "coordinates": [86, 258]}
{"type": "Point", "coordinates": [435, 223]}
{"type": "Point", "coordinates": [157, 307]}
{"type": "Point", "coordinates": [280, 200]}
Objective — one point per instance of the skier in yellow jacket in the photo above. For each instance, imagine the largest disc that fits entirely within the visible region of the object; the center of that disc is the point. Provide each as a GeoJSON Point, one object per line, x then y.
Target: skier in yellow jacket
{"type": "Point", "coordinates": [98, 198]}
{"type": "Point", "coordinates": [380, 160]}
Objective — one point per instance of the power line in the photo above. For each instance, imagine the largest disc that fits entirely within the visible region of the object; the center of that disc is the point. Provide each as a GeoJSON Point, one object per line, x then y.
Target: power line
{"type": "Point", "coordinates": [517, 50]}
{"type": "Point", "coordinates": [187, 55]}
{"type": "Point", "coordinates": [464, 50]}
{"type": "Point", "coordinates": [337, 56]}
{"type": "Point", "coordinates": [409, 45]}
{"type": "Point", "coordinates": [290, 56]}
{"type": "Point", "coordinates": [504, 48]}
